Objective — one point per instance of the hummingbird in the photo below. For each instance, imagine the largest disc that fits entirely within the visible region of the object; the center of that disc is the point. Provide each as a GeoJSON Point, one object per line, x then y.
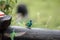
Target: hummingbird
{"type": "Point", "coordinates": [29, 24]}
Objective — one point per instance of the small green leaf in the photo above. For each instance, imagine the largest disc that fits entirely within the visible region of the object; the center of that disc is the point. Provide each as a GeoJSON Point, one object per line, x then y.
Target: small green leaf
{"type": "Point", "coordinates": [12, 35]}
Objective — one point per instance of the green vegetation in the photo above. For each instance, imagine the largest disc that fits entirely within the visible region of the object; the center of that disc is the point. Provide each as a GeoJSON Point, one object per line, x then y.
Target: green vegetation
{"type": "Point", "coordinates": [44, 13]}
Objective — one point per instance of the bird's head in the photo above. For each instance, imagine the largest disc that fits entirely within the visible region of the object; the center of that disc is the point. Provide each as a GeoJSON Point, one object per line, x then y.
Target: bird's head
{"type": "Point", "coordinates": [30, 20]}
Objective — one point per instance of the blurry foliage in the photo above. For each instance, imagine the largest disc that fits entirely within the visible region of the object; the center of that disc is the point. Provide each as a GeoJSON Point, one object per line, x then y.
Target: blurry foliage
{"type": "Point", "coordinates": [46, 8]}
{"type": "Point", "coordinates": [7, 5]}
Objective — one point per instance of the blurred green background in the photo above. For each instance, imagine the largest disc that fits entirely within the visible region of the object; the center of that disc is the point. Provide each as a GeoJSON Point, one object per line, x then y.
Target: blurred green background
{"type": "Point", "coordinates": [44, 13]}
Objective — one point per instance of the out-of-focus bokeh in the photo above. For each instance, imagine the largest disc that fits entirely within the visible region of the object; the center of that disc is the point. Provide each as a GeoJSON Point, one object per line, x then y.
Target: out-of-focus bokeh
{"type": "Point", "coordinates": [44, 13]}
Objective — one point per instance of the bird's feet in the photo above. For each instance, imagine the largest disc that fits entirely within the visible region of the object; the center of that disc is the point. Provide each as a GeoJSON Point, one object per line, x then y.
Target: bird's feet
{"type": "Point", "coordinates": [28, 27]}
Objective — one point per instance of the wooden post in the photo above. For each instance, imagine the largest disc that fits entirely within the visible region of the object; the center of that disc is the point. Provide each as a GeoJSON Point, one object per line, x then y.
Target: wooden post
{"type": "Point", "coordinates": [0, 37]}
{"type": "Point", "coordinates": [4, 24]}
{"type": "Point", "coordinates": [34, 33]}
